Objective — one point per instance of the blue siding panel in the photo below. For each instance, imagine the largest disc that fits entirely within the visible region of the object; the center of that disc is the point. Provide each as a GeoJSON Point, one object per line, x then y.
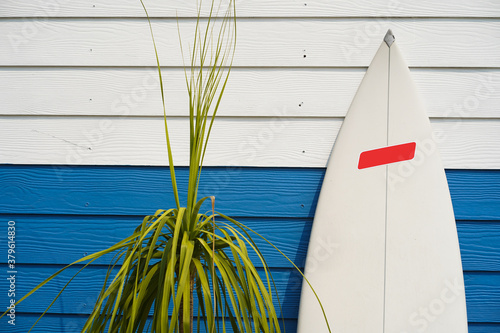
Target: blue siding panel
{"type": "Point", "coordinates": [482, 290]}
{"type": "Point", "coordinates": [142, 190]}
{"type": "Point", "coordinates": [62, 239]}
{"type": "Point", "coordinates": [53, 239]}
{"type": "Point", "coordinates": [73, 323]}
{"type": "Point", "coordinates": [484, 328]}
{"type": "Point", "coordinates": [63, 212]}
{"type": "Point", "coordinates": [479, 245]}
{"type": "Point", "coordinates": [270, 192]}
{"type": "Point", "coordinates": [84, 289]}
{"type": "Point", "coordinates": [475, 194]}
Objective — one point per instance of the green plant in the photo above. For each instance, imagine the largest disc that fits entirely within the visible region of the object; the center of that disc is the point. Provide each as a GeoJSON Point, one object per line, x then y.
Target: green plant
{"type": "Point", "coordinates": [179, 253]}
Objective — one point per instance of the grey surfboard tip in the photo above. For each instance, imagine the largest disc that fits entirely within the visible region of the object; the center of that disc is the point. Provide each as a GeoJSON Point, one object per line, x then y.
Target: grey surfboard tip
{"type": "Point", "coordinates": [389, 38]}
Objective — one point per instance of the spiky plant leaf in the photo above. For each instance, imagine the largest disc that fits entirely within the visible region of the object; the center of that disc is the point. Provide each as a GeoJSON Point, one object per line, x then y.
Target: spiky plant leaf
{"type": "Point", "coordinates": [178, 253]}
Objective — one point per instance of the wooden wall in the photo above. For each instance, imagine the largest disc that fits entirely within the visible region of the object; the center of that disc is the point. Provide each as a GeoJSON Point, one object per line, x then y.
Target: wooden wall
{"type": "Point", "coordinates": [82, 150]}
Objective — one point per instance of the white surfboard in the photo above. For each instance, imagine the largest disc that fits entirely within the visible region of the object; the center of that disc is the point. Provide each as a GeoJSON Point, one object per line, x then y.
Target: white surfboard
{"type": "Point", "coordinates": [383, 254]}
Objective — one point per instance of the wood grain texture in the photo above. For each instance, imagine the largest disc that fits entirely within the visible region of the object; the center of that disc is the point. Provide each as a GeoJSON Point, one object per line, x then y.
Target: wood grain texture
{"type": "Point", "coordinates": [264, 92]}
{"type": "Point", "coordinates": [479, 245]}
{"type": "Point", "coordinates": [482, 292]}
{"type": "Point", "coordinates": [241, 192]}
{"type": "Point", "coordinates": [254, 8]}
{"type": "Point", "coordinates": [141, 191]}
{"type": "Point", "coordinates": [277, 142]}
{"type": "Point", "coordinates": [80, 296]}
{"type": "Point", "coordinates": [483, 327]}
{"type": "Point", "coordinates": [487, 194]}
{"type": "Point", "coordinates": [261, 43]}
{"type": "Point", "coordinates": [74, 323]}
{"type": "Point", "coordinates": [57, 239]}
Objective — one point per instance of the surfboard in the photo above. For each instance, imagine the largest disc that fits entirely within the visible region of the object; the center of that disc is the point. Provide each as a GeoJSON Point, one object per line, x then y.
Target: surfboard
{"type": "Point", "coordinates": [383, 254]}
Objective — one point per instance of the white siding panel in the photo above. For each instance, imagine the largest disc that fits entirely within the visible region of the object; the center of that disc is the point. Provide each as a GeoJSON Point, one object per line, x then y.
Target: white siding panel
{"type": "Point", "coordinates": [287, 142]}
{"type": "Point", "coordinates": [261, 42]}
{"type": "Point", "coordinates": [254, 8]}
{"type": "Point", "coordinates": [78, 85]}
{"type": "Point", "coordinates": [287, 92]}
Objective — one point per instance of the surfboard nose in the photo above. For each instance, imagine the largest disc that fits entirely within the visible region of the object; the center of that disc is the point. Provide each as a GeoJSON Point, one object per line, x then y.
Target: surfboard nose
{"type": "Point", "coordinates": [389, 38]}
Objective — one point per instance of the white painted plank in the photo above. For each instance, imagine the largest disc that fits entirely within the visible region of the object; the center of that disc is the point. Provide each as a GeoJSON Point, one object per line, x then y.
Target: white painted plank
{"type": "Point", "coordinates": [261, 42]}
{"type": "Point", "coordinates": [264, 92]}
{"type": "Point", "coordinates": [254, 8]}
{"type": "Point", "coordinates": [286, 142]}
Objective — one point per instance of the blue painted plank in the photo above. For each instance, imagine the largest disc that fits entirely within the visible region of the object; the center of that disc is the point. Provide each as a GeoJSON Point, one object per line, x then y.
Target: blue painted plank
{"type": "Point", "coordinates": [83, 291]}
{"type": "Point", "coordinates": [475, 194]}
{"type": "Point", "coordinates": [50, 323]}
{"type": "Point", "coordinates": [269, 192]}
{"type": "Point", "coordinates": [74, 323]}
{"type": "Point", "coordinates": [62, 239]}
{"type": "Point", "coordinates": [143, 190]}
{"type": "Point", "coordinates": [484, 328]}
{"type": "Point", "coordinates": [479, 245]}
{"type": "Point", "coordinates": [482, 291]}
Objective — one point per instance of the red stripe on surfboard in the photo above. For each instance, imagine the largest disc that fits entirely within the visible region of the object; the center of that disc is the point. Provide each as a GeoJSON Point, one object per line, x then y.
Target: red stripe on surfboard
{"type": "Point", "coordinates": [387, 155]}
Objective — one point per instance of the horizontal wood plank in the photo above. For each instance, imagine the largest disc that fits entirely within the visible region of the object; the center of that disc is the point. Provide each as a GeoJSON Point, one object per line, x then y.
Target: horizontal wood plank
{"type": "Point", "coordinates": [93, 190]}
{"type": "Point", "coordinates": [483, 206]}
{"type": "Point", "coordinates": [74, 323]}
{"type": "Point", "coordinates": [253, 8]}
{"type": "Point", "coordinates": [254, 192]}
{"type": "Point", "coordinates": [259, 92]}
{"type": "Point", "coordinates": [52, 240]}
{"type": "Point", "coordinates": [263, 142]}
{"type": "Point", "coordinates": [64, 239]}
{"type": "Point", "coordinates": [482, 292]}
{"type": "Point", "coordinates": [261, 43]}
{"type": "Point", "coordinates": [483, 327]}
{"type": "Point", "coordinates": [80, 296]}
{"type": "Point", "coordinates": [479, 245]}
